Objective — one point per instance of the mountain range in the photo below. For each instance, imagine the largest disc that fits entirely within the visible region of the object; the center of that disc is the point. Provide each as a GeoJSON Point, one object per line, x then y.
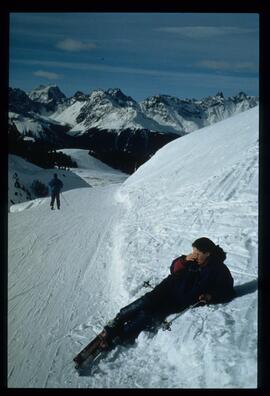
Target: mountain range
{"type": "Point", "coordinates": [113, 126]}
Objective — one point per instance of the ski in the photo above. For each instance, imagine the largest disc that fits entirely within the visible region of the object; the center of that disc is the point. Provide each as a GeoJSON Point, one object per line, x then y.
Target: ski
{"type": "Point", "coordinates": [94, 348]}
{"type": "Point", "coordinates": [90, 352]}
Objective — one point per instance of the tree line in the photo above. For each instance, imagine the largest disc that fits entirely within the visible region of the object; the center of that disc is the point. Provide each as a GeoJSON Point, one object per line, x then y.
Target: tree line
{"type": "Point", "coordinates": [38, 152]}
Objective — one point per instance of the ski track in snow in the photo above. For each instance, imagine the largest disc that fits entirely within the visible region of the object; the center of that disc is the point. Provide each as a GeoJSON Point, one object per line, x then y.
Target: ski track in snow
{"type": "Point", "coordinates": [59, 257]}
{"type": "Point", "coordinates": [72, 270]}
{"type": "Point", "coordinates": [211, 333]}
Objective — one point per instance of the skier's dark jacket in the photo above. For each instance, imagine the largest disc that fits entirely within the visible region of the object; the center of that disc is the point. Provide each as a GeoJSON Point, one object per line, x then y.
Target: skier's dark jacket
{"type": "Point", "coordinates": [55, 185]}
{"type": "Point", "coordinates": [187, 282]}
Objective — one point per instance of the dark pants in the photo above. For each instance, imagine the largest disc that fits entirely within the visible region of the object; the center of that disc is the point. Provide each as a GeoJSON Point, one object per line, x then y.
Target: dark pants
{"type": "Point", "coordinates": [134, 318]}
{"type": "Point", "coordinates": [55, 195]}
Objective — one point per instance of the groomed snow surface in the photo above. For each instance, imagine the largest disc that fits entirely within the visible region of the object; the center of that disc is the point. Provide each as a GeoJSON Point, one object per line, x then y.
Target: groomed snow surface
{"type": "Point", "coordinates": [70, 271]}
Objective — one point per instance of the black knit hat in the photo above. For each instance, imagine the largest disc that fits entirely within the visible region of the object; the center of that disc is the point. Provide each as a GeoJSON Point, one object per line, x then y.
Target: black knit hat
{"type": "Point", "coordinates": [204, 245]}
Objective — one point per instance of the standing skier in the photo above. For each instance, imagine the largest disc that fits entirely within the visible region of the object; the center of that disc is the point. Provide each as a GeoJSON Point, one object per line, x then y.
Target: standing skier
{"type": "Point", "coordinates": [56, 185]}
{"type": "Point", "coordinates": [198, 276]}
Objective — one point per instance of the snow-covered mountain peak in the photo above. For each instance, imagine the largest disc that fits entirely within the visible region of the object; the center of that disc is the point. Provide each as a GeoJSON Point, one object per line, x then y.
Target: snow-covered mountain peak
{"type": "Point", "coordinates": [120, 98]}
{"type": "Point", "coordinates": [242, 95]}
{"type": "Point", "coordinates": [220, 94]}
{"type": "Point", "coordinates": [113, 110]}
{"type": "Point", "coordinates": [187, 115]}
{"type": "Point", "coordinates": [46, 94]}
{"type": "Point", "coordinates": [112, 96]}
{"type": "Point", "coordinates": [80, 96]}
{"type": "Point", "coordinates": [110, 109]}
{"type": "Point", "coordinates": [20, 103]}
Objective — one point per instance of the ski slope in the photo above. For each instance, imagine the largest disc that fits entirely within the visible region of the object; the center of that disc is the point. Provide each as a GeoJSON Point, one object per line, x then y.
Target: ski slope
{"type": "Point", "coordinates": [100, 174]}
{"type": "Point", "coordinates": [69, 271]}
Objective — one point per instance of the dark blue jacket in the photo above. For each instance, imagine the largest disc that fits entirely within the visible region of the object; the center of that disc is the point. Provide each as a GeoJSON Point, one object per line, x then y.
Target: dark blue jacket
{"type": "Point", "coordinates": [55, 185]}
{"type": "Point", "coordinates": [183, 288]}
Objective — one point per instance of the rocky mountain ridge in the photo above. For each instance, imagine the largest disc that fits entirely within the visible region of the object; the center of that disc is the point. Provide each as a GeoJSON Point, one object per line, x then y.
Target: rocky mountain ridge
{"type": "Point", "coordinates": [113, 110]}
{"type": "Point", "coordinates": [113, 125]}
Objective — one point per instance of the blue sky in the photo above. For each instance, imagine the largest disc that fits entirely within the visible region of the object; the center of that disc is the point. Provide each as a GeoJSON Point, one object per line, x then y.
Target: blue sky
{"type": "Point", "coordinates": [188, 55]}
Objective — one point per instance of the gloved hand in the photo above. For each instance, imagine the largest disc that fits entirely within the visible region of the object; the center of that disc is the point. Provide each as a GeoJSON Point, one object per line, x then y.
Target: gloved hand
{"type": "Point", "coordinates": [205, 298]}
{"type": "Point", "coordinates": [191, 257]}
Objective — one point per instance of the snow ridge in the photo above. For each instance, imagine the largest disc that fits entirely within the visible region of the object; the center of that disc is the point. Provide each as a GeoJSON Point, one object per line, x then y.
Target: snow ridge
{"type": "Point", "coordinates": [193, 195]}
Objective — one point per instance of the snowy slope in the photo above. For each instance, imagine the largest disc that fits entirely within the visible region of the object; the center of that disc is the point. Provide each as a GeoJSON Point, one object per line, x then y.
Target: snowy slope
{"type": "Point", "coordinates": [36, 124]}
{"type": "Point", "coordinates": [204, 184]}
{"type": "Point", "coordinates": [100, 174]}
{"type": "Point", "coordinates": [86, 161]}
{"type": "Point", "coordinates": [70, 271]}
{"type": "Point", "coordinates": [68, 115]}
{"type": "Point", "coordinates": [25, 173]}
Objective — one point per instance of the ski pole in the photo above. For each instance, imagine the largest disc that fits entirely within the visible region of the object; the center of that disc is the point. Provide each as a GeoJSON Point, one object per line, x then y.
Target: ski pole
{"type": "Point", "coordinates": [166, 325]}
{"type": "Point", "coordinates": [147, 284]}
{"type": "Point", "coordinates": [67, 202]}
{"type": "Point", "coordinates": [64, 199]}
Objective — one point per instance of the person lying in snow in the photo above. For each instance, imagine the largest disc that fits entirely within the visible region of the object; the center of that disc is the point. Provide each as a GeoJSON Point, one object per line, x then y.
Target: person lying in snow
{"type": "Point", "coordinates": [198, 276]}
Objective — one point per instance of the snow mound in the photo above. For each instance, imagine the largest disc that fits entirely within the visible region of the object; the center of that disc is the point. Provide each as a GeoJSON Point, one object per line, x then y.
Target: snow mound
{"type": "Point", "coordinates": [203, 184]}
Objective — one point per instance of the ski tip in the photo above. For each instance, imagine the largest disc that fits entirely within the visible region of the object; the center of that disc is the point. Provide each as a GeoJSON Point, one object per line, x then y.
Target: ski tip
{"type": "Point", "coordinates": [77, 362]}
{"type": "Point", "coordinates": [78, 365]}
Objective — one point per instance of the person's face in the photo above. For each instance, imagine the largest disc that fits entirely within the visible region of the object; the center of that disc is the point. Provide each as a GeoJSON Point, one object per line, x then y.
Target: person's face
{"type": "Point", "coordinates": [199, 256]}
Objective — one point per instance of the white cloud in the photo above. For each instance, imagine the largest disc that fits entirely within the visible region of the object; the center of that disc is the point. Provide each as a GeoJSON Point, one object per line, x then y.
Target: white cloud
{"type": "Point", "coordinates": [204, 32]}
{"type": "Point", "coordinates": [48, 75]}
{"type": "Point", "coordinates": [75, 45]}
{"type": "Point", "coordinates": [225, 65]}
{"type": "Point", "coordinates": [130, 70]}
